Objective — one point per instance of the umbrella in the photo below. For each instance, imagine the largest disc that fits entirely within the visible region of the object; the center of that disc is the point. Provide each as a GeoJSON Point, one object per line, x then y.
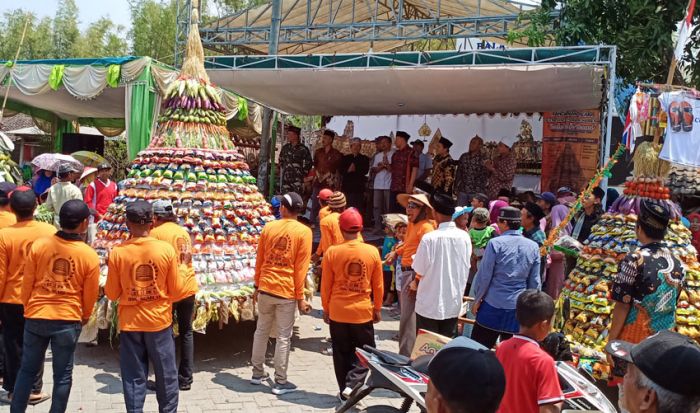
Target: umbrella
{"type": "Point", "coordinates": [50, 161]}
{"type": "Point", "coordinates": [89, 158]}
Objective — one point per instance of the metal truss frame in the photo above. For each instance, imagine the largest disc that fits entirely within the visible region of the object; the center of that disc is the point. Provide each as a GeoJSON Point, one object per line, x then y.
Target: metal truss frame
{"type": "Point", "coordinates": [360, 21]}
{"type": "Point", "coordinates": [597, 55]}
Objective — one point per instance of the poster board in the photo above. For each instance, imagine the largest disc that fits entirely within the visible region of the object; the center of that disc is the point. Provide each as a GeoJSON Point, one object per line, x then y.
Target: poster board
{"type": "Point", "coordinates": [570, 149]}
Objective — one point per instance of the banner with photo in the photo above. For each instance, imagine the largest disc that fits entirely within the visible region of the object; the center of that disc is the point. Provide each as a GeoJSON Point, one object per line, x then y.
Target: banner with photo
{"type": "Point", "coordinates": [570, 149]}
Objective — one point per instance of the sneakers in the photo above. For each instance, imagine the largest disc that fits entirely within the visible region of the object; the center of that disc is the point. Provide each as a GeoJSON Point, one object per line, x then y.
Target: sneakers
{"type": "Point", "coordinates": [285, 388]}
{"type": "Point", "coordinates": [258, 380]}
{"type": "Point", "coordinates": [346, 393]}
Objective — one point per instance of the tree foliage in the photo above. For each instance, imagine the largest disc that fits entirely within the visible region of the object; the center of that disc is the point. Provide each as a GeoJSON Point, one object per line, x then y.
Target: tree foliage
{"type": "Point", "coordinates": [65, 29]}
{"type": "Point", "coordinates": [641, 29]}
{"type": "Point", "coordinates": [153, 28]}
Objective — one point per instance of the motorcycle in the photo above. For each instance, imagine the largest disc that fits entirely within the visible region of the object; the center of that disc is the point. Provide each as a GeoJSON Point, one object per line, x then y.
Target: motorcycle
{"type": "Point", "coordinates": [409, 379]}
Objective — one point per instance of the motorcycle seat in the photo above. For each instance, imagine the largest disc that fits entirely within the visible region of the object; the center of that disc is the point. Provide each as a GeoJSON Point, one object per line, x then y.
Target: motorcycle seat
{"type": "Point", "coordinates": [421, 364]}
{"type": "Point", "coordinates": [388, 357]}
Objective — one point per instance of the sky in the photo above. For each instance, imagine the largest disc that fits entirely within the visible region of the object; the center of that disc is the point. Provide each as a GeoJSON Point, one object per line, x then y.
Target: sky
{"type": "Point", "coordinates": [90, 10]}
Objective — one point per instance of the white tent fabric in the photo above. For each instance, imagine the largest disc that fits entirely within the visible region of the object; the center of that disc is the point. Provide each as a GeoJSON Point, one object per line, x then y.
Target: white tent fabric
{"type": "Point", "coordinates": [85, 82]}
{"type": "Point", "coordinates": [419, 90]}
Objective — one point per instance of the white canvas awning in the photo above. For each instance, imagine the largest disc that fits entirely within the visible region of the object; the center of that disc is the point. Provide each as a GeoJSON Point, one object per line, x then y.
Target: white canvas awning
{"type": "Point", "coordinates": [419, 90]}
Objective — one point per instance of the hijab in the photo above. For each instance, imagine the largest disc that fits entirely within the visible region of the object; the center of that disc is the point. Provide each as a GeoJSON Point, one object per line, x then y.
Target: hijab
{"type": "Point", "coordinates": [42, 183]}
{"type": "Point", "coordinates": [495, 208]}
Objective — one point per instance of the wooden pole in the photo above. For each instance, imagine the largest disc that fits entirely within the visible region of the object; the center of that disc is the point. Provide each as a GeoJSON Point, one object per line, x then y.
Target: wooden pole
{"type": "Point", "coordinates": [9, 82]}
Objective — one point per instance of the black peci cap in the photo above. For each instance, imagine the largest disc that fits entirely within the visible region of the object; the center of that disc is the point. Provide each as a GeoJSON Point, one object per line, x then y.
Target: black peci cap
{"type": "Point", "coordinates": [667, 358]}
{"type": "Point", "coordinates": [509, 214]}
{"type": "Point", "coordinates": [139, 212]}
{"type": "Point", "coordinates": [654, 215]}
{"type": "Point", "coordinates": [534, 210]}
{"type": "Point", "coordinates": [443, 203]}
{"type": "Point", "coordinates": [446, 143]}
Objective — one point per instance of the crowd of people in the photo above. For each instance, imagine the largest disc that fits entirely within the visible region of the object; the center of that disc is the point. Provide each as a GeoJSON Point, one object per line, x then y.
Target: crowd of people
{"type": "Point", "coordinates": [446, 244]}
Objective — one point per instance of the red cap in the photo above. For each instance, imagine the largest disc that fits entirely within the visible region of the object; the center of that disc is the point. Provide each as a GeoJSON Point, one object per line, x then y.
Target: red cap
{"type": "Point", "coordinates": [324, 194]}
{"type": "Point", "coordinates": [351, 220]}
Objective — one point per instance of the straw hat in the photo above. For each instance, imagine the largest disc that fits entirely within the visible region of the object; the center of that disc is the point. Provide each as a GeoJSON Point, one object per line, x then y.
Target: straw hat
{"type": "Point", "coordinates": [420, 198]}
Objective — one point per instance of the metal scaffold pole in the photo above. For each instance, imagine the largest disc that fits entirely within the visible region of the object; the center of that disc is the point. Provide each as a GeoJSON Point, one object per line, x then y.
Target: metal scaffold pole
{"type": "Point", "coordinates": [265, 141]}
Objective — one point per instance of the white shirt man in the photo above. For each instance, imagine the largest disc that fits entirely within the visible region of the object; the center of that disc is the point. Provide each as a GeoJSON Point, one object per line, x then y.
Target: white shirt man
{"type": "Point", "coordinates": [381, 167]}
{"type": "Point", "coordinates": [442, 260]}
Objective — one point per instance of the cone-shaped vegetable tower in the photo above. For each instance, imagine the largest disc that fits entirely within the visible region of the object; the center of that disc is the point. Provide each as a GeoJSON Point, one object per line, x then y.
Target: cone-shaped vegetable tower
{"type": "Point", "coordinates": [585, 305]}
{"type": "Point", "coordinates": [192, 162]}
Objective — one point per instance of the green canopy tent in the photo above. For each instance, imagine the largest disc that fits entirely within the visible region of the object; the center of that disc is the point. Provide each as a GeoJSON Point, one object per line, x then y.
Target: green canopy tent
{"type": "Point", "coordinates": [112, 94]}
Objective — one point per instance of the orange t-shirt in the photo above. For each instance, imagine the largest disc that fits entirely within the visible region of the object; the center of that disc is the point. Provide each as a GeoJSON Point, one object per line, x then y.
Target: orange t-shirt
{"type": "Point", "coordinates": [7, 218]}
{"type": "Point", "coordinates": [414, 233]}
{"type": "Point", "coordinates": [330, 233]}
{"type": "Point", "coordinates": [143, 276]}
{"type": "Point", "coordinates": [352, 275]}
{"type": "Point", "coordinates": [15, 244]}
{"type": "Point", "coordinates": [176, 236]}
{"type": "Point", "coordinates": [284, 253]}
{"type": "Point", "coordinates": [61, 280]}
{"type": "Point", "coordinates": [323, 212]}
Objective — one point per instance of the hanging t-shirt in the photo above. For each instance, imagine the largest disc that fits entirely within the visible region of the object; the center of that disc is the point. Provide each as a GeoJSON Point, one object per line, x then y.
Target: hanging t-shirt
{"type": "Point", "coordinates": [683, 130]}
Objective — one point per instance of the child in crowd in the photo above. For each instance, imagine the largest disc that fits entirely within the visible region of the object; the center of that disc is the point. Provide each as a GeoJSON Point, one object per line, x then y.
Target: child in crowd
{"type": "Point", "coordinates": [532, 384]}
{"type": "Point", "coordinates": [400, 234]}
{"type": "Point", "coordinates": [481, 233]}
{"type": "Point", "coordinates": [388, 268]}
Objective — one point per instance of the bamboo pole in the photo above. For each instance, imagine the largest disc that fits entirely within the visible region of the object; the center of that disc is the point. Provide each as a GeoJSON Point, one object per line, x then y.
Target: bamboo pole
{"type": "Point", "coordinates": [9, 82]}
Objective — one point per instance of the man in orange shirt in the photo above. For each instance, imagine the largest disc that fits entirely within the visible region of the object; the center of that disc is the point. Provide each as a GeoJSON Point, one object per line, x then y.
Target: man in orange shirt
{"type": "Point", "coordinates": [352, 290]}
{"type": "Point", "coordinates": [330, 231]}
{"type": "Point", "coordinates": [165, 228]}
{"type": "Point", "coordinates": [284, 253]}
{"type": "Point", "coordinates": [7, 218]}
{"type": "Point", "coordinates": [323, 197]}
{"type": "Point", "coordinates": [143, 277]}
{"type": "Point", "coordinates": [59, 290]}
{"type": "Point", "coordinates": [15, 244]}
{"type": "Point", "coordinates": [419, 212]}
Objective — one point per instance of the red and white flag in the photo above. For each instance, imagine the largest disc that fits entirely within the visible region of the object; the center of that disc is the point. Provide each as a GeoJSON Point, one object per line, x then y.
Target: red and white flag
{"type": "Point", "coordinates": [684, 29]}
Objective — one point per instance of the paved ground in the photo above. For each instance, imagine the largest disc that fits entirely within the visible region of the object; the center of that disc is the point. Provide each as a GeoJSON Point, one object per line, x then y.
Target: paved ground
{"type": "Point", "coordinates": [222, 374]}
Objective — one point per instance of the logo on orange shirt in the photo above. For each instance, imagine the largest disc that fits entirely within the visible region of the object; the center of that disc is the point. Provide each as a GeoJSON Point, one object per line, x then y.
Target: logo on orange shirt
{"type": "Point", "coordinates": [355, 276]}
{"type": "Point", "coordinates": [281, 254]}
{"type": "Point", "coordinates": [144, 283]}
{"type": "Point", "coordinates": [183, 247]}
{"type": "Point", "coordinates": [58, 280]}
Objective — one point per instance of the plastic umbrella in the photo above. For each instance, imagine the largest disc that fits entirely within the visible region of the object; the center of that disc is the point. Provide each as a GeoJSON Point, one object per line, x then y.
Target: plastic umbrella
{"type": "Point", "coordinates": [89, 158]}
{"type": "Point", "coordinates": [51, 161]}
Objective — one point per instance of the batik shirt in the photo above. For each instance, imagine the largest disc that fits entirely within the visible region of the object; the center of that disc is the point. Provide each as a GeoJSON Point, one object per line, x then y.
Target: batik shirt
{"type": "Point", "coordinates": [502, 178]}
{"type": "Point", "coordinates": [649, 280]}
{"type": "Point", "coordinates": [402, 162]}
{"type": "Point", "coordinates": [443, 173]}
{"type": "Point", "coordinates": [295, 161]}
{"type": "Point", "coordinates": [470, 176]}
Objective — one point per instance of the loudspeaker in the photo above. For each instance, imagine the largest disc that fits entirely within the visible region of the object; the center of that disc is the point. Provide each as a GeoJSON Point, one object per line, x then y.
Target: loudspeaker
{"type": "Point", "coordinates": [74, 142]}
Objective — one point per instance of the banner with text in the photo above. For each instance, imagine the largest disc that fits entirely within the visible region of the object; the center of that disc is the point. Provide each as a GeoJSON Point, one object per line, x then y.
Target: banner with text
{"type": "Point", "coordinates": [570, 149]}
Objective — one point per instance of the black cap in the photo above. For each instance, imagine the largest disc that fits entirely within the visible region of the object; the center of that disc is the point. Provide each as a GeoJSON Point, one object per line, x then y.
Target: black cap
{"type": "Point", "coordinates": [73, 212]}
{"type": "Point", "coordinates": [534, 210]}
{"type": "Point", "coordinates": [103, 166]}
{"type": "Point", "coordinates": [418, 142]}
{"type": "Point", "coordinates": [23, 200]}
{"type": "Point", "coordinates": [598, 192]}
{"type": "Point", "coordinates": [468, 377]}
{"type": "Point", "coordinates": [292, 201]}
{"type": "Point", "coordinates": [66, 168]}
{"type": "Point", "coordinates": [424, 187]}
{"type": "Point", "coordinates": [292, 128]}
{"type": "Point", "coordinates": [445, 142]}
{"type": "Point", "coordinates": [443, 203]}
{"type": "Point", "coordinates": [139, 212]}
{"type": "Point", "coordinates": [667, 358]}
{"type": "Point", "coordinates": [509, 214]}
{"type": "Point", "coordinates": [654, 215]}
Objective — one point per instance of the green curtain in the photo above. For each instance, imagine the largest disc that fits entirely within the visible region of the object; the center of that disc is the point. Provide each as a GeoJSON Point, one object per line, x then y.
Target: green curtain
{"type": "Point", "coordinates": [143, 102]}
{"type": "Point", "coordinates": [61, 126]}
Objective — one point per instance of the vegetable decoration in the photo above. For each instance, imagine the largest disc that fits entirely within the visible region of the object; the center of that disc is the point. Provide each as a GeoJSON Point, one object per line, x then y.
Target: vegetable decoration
{"type": "Point", "coordinates": [584, 307]}
{"type": "Point", "coordinates": [192, 162]}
